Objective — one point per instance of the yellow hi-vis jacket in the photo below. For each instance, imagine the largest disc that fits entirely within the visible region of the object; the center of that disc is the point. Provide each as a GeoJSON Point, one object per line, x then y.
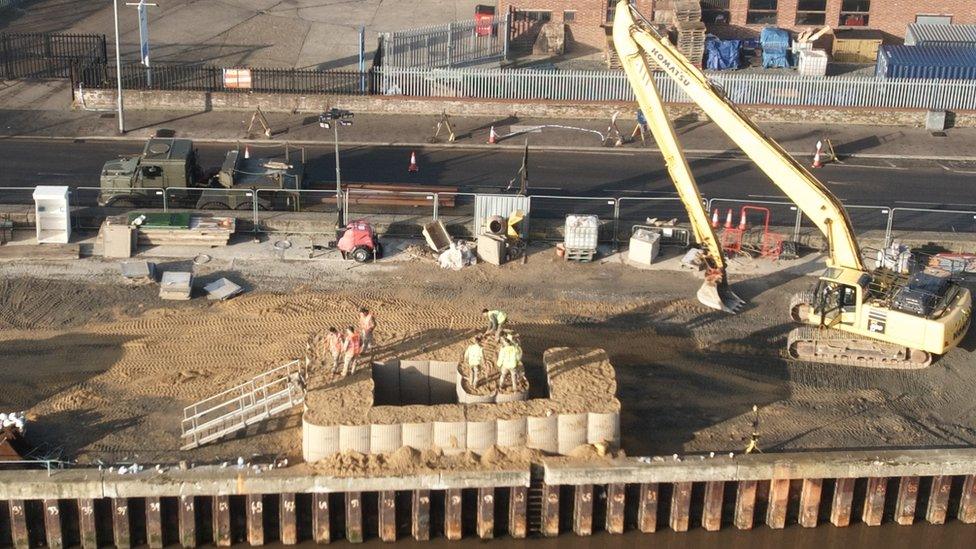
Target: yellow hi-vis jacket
{"type": "Point", "coordinates": [508, 358]}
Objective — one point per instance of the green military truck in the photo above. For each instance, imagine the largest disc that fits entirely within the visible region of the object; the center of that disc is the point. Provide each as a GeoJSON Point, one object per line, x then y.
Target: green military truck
{"type": "Point", "coordinates": [171, 166]}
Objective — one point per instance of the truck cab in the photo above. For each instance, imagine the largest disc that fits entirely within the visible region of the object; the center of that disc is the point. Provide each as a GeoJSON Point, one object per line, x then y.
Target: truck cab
{"type": "Point", "coordinates": [138, 180]}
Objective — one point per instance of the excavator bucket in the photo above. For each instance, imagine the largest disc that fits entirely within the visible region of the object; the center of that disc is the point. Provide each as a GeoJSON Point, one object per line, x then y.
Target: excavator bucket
{"type": "Point", "coordinates": [719, 296]}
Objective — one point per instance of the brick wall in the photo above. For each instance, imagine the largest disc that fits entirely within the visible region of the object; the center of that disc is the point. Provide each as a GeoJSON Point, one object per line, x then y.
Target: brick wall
{"type": "Point", "coordinates": [891, 17]}
{"type": "Point", "coordinates": [585, 33]}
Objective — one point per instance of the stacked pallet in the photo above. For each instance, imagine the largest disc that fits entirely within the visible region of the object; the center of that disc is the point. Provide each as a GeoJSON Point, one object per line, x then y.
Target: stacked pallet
{"type": "Point", "coordinates": [200, 231]}
{"type": "Point", "coordinates": [691, 40]}
{"type": "Point", "coordinates": [686, 10]}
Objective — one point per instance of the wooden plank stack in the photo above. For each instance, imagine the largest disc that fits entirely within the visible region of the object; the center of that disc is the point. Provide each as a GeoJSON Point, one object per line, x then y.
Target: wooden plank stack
{"type": "Point", "coordinates": [202, 231]}
{"type": "Point", "coordinates": [686, 10]}
{"type": "Point", "coordinates": [691, 40]}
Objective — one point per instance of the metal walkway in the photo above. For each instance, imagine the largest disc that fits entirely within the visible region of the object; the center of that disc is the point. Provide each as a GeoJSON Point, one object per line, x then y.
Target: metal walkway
{"type": "Point", "coordinates": [256, 400]}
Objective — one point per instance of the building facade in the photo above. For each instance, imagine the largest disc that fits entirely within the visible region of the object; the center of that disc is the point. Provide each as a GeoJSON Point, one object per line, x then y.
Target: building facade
{"type": "Point", "coordinates": [587, 21]}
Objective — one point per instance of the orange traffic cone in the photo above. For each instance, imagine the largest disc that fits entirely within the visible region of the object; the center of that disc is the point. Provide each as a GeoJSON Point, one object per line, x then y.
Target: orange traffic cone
{"type": "Point", "coordinates": [742, 221]}
{"type": "Point", "coordinates": [816, 156]}
{"type": "Point", "coordinates": [715, 219]}
{"type": "Point", "coordinates": [492, 136]}
{"type": "Point", "coordinates": [728, 219]}
{"type": "Point", "coordinates": [247, 151]}
{"type": "Point", "coordinates": [413, 168]}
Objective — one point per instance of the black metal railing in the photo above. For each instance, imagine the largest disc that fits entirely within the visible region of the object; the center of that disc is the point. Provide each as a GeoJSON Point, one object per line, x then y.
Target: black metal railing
{"type": "Point", "coordinates": [48, 55]}
{"type": "Point", "coordinates": [180, 77]}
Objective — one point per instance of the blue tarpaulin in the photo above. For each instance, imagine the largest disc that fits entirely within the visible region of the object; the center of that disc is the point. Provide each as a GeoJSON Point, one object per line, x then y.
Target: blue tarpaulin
{"type": "Point", "coordinates": [721, 55]}
{"type": "Point", "coordinates": [775, 45]}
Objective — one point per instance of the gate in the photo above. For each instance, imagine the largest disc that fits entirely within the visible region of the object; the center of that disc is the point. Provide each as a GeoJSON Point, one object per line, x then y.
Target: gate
{"type": "Point", "coordinates": [48, 55]}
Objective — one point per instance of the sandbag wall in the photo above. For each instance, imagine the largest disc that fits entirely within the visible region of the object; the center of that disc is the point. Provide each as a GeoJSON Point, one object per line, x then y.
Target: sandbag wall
{"type": "Point", "coordinates": [420, 396]}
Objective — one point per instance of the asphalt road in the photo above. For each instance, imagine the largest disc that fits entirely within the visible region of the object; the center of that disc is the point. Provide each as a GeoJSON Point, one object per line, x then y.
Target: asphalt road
{"type": "Point", "coordinates": [618, 173]}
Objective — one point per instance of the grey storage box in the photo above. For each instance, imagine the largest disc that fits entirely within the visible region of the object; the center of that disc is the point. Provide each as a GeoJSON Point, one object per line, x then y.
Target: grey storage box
{"type": "Point", "coordinates": [644, 246]}
{"type": "Point", "coordinates": [118, 241]}
{"type": "Point", "coordinates": [491, 249]}
{"type": "Point", "coordinates": [176, 285]}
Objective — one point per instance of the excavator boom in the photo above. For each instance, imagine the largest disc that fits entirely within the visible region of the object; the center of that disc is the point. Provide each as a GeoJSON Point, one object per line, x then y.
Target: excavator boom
{"type": "Point", "coordinates": [715, 292]}
{"type": "Point", "coordinates": [809, 194]}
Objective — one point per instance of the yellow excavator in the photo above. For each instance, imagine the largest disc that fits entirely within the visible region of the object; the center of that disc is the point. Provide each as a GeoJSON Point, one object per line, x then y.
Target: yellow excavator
{"type": "Point", "coordinates": [853, 316]}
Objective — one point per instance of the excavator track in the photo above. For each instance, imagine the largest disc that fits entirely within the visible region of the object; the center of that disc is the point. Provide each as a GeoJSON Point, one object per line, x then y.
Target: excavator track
{"type": "Point", "coordinates": [801, 304]}
{"type": "Point", "coordinates": [837, 347]}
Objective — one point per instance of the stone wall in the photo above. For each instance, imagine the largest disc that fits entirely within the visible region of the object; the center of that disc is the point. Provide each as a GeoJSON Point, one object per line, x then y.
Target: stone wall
{"type": "Point", "coordinates": [295, 103]}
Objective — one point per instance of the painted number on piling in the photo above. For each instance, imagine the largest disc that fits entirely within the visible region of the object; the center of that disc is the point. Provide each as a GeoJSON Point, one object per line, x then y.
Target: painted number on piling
{"type": "Point", "coordinates": [222, 506]}
{"type": "Point", "coordinates": [53, 510]}
{"type": "Point", "coordinates": [16, 510]}
{"type": "Point", "coordinates": [122, 510]}
{"type": "Point", "coordinates": [257, 507]}
{"type": "Point", "coordinates": [154, 506]}
{"type": "Point", "coordinates": [87, 510]}
{"type": "Point", "coordinates": [488, 499]}
{"type": "Point", "coordinates": [289, 506]}
{"type": "Point", "coordinates": [323, 505]}
{"type": "Point", "coordinates": [424, 500]}
{"type": "Point", "coordinates": [354, 503]}
{"type": "Point", "coordinates": [455, 500]}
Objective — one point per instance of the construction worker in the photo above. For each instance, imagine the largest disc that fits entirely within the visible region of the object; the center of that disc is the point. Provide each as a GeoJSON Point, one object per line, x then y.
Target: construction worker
{"type": "Point", "coordinates": [352, 346]}
{"type": "Point", "coordinates": [496, 322]}
{"type": "Point", "coordinates": [334, 343]}
{"type": "Point", "coordinates": [474, 356]}
{"type": "Point", "coordinates": [507, 364]}
{"type": "Point", "coordinates": [641, 128]}
{"type": "Point", "coordinates": [367, 323]}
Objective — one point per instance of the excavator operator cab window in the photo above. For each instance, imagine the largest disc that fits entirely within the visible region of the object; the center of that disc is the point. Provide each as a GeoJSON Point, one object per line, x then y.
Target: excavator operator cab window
{"type": "Point", "coordinates": [837, 302]}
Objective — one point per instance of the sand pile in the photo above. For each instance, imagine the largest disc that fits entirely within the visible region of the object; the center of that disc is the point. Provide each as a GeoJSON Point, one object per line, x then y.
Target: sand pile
{"type": "Point", "coordinates": [409, 460]}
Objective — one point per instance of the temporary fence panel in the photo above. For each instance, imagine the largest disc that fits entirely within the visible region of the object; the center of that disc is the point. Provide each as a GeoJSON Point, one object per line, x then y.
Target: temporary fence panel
{"type": "Point", "coordinates": [863, 218]}
{"type": "Point", "coordinates": [321, 208]}
{"type": "Point", "coordinates": [549, 215]}
{"type": "Point", "coordinates": [459, 216]}
{"type": "Point", "coordinates": [407, 211]}
{"type": "Point", "coordinates": [48, 55]}
{"type": "Point", "coordinates": [454, 44]}
{"type": "Point", "coordinates": [637, 211]}
{"type": "Point", "coordinates": [907, 221]}
{"type": "Point", "coordinates": [784, 217]}
{"type": "Point", "coordinates": [488, 205]}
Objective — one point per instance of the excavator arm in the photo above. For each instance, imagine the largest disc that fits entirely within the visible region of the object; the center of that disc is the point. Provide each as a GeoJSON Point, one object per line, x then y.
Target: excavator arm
{"type": "Point", "coordinates": [634, 41]}
{"type": "Point", "coordinates": [715, 293]}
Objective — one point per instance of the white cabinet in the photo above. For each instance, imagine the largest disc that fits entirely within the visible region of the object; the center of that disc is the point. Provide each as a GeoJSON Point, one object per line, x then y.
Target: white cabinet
{"type": "Point", "coordinates": [52, 215]}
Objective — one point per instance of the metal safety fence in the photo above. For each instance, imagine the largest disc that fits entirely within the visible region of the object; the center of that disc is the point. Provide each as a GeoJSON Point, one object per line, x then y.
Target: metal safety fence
{"type": "Point", "coordinates": [181, 77]}
{"type": "Point", "coordinates": [455, 44]}
{"type": "Point", "coordinates": [47, 55]}
{"type": "Point", "coordinates": [752, 89]}
{"type": "Point", "coordinates": [405, 213]}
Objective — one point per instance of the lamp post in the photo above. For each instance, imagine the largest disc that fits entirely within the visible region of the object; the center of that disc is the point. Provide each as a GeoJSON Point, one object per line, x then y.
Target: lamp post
{"type": "Point", "coordinates": [333, 118]}
{"type": "Point", "coordinates": [118, 66]}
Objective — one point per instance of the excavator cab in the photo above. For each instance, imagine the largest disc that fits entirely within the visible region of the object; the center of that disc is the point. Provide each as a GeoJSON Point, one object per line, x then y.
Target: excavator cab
{"type": "Point", "coordinates": [838, 296]}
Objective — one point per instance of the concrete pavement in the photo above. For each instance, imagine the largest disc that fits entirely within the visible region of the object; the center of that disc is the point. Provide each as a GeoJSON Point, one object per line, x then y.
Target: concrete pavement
{"type": "Point", "coordinates": [42, 110]}
{"type": "Point", "coordinates": [321, 34]}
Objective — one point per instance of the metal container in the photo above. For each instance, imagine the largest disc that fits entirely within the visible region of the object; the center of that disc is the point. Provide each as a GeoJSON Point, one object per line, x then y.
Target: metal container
{"type": "Point", "coordinates": [582, 232]}
{"type": "Point", "coordinates": [930, 62]}
{"type": "Point", "coordinates": [919, 34]}
{"type": "Point", "coordinates": [856, 46]}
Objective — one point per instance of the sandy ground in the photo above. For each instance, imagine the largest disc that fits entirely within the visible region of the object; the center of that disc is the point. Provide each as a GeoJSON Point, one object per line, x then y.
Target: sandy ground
{"type": "Point", "coordinates": [104, 368]}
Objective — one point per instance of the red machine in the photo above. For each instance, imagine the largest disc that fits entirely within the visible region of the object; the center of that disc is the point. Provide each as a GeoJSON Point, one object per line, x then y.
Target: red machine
{"type": "Point", "coordinates": [359, 241]}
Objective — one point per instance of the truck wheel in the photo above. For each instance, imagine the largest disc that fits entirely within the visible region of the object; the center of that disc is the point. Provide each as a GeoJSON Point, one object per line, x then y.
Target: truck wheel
{"type": "Point", "coordinates": [361, 254]}
{"type": "Point", "coordinates": [122, 202]}
{"type": "Point", "coordinates": [250, 206]}
{"type": "Point", "coordinates": [214, 206]}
